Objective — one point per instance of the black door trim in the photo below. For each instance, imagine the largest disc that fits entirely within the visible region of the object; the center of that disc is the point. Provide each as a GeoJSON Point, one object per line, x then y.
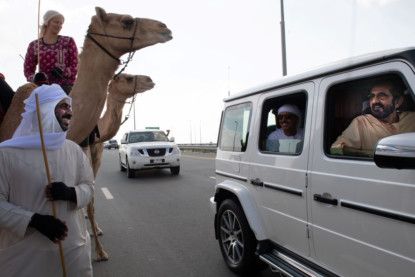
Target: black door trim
{"type": "Point", "coordinates": [284, 189]}
{"type": "Point", "coordinates": [379, 212]}
{"type": "Point", "coordinates": [240, 178]}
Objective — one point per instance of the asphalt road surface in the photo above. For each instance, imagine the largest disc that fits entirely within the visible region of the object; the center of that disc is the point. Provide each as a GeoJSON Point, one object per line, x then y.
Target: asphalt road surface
{"type": "Point", "coordinates": [157, 224]}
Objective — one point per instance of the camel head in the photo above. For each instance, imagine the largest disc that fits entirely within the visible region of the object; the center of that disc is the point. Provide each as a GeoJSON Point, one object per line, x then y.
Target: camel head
{"type": "Point", "coordinates": [120, 34]}
{"type": "Point", "coordinates": [125, 86]}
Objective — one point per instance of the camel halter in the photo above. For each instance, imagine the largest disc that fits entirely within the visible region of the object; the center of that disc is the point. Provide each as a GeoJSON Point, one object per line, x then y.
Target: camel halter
{"type": "Point", "coordinates": [130, 53]}
{"type": "Point", "coordinates": [127, 116]}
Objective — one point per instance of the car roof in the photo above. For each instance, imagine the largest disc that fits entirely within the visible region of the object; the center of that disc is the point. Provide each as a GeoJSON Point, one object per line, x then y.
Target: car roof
{"type": "Point", "coordinates": [146, 130]}
{"type": "Point", "coordinates": [407, 54]}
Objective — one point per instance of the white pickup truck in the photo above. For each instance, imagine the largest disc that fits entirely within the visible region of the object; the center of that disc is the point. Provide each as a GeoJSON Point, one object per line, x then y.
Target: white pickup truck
{"type": "Point", "coordinates": [148, 149]}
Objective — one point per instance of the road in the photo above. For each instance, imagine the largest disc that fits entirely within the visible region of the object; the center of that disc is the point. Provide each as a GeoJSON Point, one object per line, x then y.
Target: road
{"type": "Point", "coordinates": [157, 224]}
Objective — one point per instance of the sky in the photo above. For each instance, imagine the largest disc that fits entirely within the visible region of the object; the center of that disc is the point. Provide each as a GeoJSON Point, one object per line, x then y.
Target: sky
{"type": "Point", "coordinates": [219, 48]}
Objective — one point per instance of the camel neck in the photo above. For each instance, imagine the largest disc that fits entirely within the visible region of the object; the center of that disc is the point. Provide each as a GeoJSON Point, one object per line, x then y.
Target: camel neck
{"type": "Point", "coordinates": [101, 63]}
{"type": "Point", "coordinates": [111, 120]}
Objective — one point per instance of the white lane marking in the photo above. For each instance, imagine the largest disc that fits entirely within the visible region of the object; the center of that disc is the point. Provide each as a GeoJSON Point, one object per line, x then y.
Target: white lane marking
{"type": "Point", "coordinates": [212, 177]}
{"type": "Point", "coordinates": [107, 193]}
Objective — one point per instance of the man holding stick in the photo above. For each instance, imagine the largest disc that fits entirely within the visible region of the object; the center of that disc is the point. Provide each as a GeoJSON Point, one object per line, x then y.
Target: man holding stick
{"type": "Point", "coordinates": [29, 234]}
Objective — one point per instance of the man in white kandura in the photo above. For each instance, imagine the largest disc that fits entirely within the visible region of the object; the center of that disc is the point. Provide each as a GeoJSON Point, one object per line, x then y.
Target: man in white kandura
{"type": "Point", "coordinates": [28, 233]}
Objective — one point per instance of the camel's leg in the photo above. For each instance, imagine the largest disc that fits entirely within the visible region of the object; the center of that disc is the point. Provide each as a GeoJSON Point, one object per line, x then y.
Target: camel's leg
{"type": "Point", "coordinates": [95, 158]}
{"type": "Point", "coordinates": [101, 254]}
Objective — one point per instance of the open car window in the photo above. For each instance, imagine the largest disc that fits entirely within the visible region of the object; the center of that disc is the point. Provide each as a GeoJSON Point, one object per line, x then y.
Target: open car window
{"type": "Point", "coordinates": [358, 114]}
{"type": "Point", "coordinates": [282, 124]}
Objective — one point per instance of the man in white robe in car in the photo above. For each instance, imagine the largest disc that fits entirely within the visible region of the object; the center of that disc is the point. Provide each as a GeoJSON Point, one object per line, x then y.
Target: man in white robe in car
{"type": "Point", "coordinates": [29, 234]}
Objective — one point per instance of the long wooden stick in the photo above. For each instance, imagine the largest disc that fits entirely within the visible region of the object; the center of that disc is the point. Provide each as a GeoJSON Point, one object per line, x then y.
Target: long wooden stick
{"type": "Point", "coordinates": [38, 34]}
{"type": "Point", "coordinates": [45, 159]}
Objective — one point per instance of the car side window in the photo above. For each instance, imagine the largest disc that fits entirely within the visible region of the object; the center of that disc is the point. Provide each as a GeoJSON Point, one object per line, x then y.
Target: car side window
{"type": "Point", "coordinates": [235, 128]}
{"type": "Point", "coordinates": [361, 112]}
{"type": "Point", "coordinates": [282, 124]}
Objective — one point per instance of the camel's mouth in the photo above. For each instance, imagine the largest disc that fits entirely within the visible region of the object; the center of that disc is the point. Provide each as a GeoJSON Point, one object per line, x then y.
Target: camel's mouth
{"type": "Point", "coordinates": [167, 35]}
{"type": "Point", "coordinates": [149, 86]}
{"type": "Point", "coordinates": [145, 87]}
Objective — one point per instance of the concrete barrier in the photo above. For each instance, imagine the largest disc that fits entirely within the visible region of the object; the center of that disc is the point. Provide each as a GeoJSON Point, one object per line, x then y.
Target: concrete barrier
{"type": "Point", "coordinates": [200, 147]}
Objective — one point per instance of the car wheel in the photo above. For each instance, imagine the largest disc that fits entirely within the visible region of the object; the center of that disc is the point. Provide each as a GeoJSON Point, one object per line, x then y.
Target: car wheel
{"type": "Point", "coordinates": [175, 170]}
{"type": "Point", "coordinates": [236, 239]}
{"type": "Point", "coordinates": [122, 168]}
{"type": "Point", "coordinates": [130, 172]}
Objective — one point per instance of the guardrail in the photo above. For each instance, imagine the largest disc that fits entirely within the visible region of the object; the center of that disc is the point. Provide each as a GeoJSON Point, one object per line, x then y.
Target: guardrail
{"type": "Point", "coordinates": [198, 147]}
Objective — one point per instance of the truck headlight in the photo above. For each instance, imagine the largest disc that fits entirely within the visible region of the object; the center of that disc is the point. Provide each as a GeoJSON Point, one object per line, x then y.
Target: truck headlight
{"type": "Point", "coordinates": [174, 150]}
{"type": "Point", "coordinates": [136, 152]}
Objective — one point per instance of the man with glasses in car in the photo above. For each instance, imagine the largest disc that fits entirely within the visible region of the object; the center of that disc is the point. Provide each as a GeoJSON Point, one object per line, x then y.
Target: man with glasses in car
{"type": "Point", "coordinates": [288, 119]}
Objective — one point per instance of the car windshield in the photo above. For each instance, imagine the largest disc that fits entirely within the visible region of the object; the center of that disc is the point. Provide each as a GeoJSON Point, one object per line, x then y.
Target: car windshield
{"type": "Point", "coordinates": [147, 136]}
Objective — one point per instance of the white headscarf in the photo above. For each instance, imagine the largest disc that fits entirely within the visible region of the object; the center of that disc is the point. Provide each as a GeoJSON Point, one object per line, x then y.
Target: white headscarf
{"type": "Point", "coordinates": [288, 108]}
{"type": "Point", "coordinates": [49, 15]}
{"type": "Point", "coordinates": [46, 18]}
{"type": "Point", "coordinates": [293, 109]}
{"type": "Point", "coordinates": [27, 133]}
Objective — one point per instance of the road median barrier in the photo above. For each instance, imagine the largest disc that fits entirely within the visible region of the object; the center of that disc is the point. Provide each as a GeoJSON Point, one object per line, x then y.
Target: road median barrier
{"type": "Point", "coordinates": [200, 147]}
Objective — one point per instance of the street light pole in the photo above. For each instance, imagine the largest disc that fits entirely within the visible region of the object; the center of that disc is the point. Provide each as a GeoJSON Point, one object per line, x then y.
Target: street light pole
{"type": "Point", "coordinates": [229, 80]}
{"type": "Point", "coordinates": [134, 113]}
{"type": "Point", "coordinates": [284, 57]}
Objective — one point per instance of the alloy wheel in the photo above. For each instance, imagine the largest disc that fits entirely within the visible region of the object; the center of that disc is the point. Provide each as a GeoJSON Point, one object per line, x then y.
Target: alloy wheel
{"type": "Point", "coordinates": [232, 237]}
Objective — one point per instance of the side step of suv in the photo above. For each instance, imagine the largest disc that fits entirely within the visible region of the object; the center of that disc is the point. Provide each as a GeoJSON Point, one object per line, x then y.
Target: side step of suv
{"type": "Point", "coordinates": [289, 263]}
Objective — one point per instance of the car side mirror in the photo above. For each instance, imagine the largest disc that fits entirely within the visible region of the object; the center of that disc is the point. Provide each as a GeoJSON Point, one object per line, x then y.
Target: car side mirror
{"type": "Point", "coordinates": [396, 151]}
{"type": "Point", "coordinates": [171, 139]}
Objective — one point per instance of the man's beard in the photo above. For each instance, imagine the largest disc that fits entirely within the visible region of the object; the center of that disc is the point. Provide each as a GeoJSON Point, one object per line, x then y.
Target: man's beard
{"type": "Point", "coordinates": [62, 124]}
{"type": "Point", "coordinates": [381, 112]}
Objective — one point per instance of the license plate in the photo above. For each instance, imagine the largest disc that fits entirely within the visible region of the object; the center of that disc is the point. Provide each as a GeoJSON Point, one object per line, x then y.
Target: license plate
{"type": "Point", "coordinates": [157, 161]}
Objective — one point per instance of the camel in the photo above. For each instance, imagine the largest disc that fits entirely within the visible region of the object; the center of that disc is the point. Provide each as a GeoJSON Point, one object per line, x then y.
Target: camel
{"type": "Point", "coordinates": [120, 89]}
{"type": "Point", "coordinates": [109, 36]}
{"type": "Point", "coordinates": [117, 34]}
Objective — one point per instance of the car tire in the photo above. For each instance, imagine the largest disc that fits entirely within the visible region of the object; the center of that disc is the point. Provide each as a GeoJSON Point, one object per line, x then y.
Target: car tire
{"type": "Point", "coordinates": [122, 168]}
{"type": "Point", "coordinates": [130, 172]}
{"type": "Point", "coordinates": [175, 170]}
{"type": "Point", "coordinates": [237, 242]}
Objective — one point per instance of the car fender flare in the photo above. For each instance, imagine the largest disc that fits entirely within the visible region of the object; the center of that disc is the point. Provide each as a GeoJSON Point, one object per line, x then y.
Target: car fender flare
{"type": "Point", "coordinates": [247, 202]}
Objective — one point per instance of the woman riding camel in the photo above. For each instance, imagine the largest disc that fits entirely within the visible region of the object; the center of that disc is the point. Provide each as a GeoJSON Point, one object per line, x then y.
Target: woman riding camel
{"type": "Point", "coordinates": [58, 55]}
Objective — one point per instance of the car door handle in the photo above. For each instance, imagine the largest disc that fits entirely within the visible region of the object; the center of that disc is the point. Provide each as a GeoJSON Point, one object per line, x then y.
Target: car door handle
{"type": "Point", "coordinates": [257, 182]}
{"type": "Point", "coordinates": [323, 199]}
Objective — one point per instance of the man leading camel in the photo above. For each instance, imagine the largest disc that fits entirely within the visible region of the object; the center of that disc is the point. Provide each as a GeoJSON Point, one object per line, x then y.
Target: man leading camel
{"type": "Point", "coordinates": [28, 232]}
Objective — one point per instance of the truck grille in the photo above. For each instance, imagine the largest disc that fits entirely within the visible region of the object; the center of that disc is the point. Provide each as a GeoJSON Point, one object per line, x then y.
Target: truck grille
{"type": "Point", "coordinates": [156, 152]}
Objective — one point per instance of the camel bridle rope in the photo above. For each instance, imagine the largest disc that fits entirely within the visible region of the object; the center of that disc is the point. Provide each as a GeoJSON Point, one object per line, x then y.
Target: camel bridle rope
{"type": "Point", "coordinates": [130, 53]}
{"type": "Point", "coordinates": [125, 63]}
{"type": "Point", "coordinates": [127, 116]}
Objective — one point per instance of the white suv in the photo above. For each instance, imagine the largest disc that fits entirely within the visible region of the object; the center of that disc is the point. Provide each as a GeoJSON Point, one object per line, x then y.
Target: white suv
{"type": "Point", "coordinates": [148, 149]}
{"type": "Point", "coordinates": [300, 204]}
